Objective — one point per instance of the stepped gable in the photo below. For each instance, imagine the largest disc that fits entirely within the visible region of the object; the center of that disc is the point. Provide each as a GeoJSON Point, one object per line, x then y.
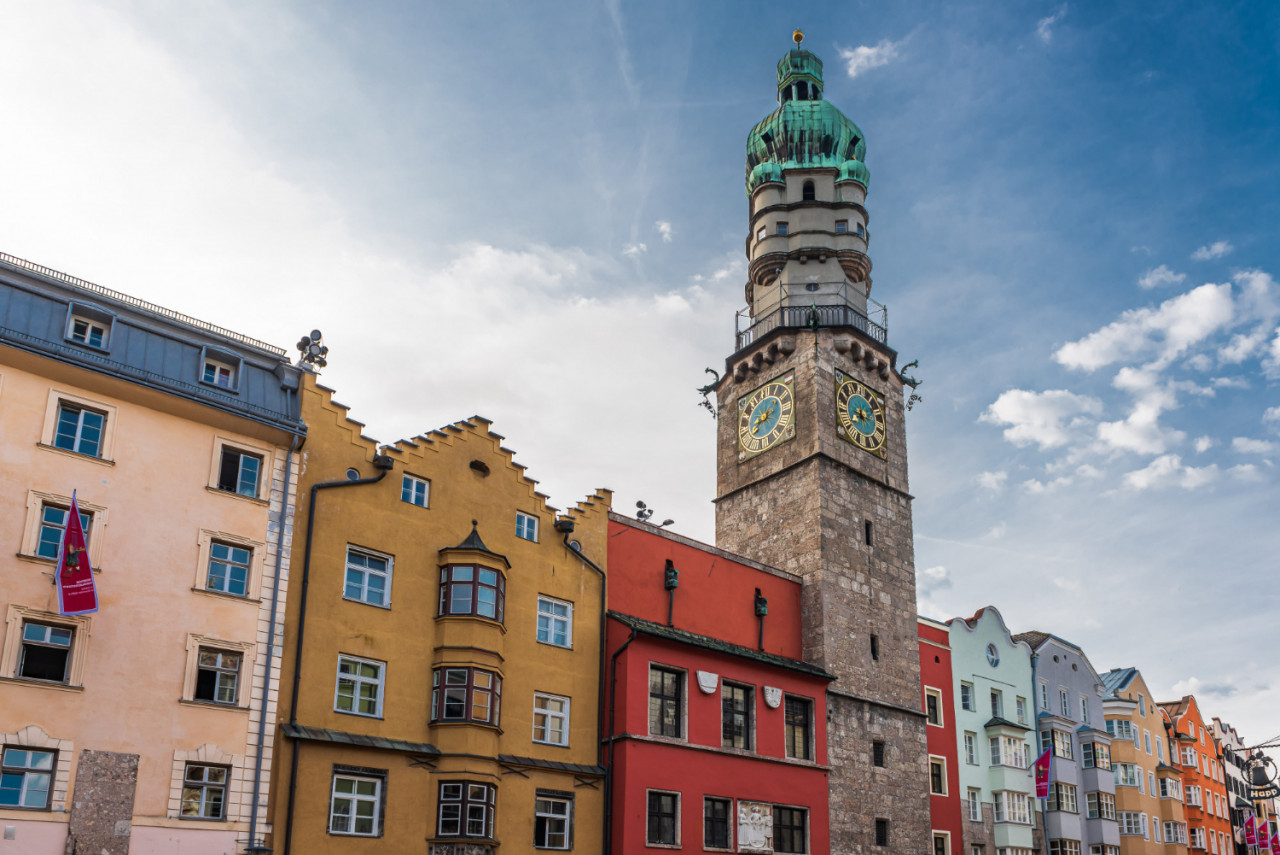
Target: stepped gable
{"type": "Point", "coordinates": [344, 421]}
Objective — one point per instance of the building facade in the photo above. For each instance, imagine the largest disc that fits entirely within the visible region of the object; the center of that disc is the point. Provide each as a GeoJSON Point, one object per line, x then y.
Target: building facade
{"type": "Point", "coordinates": [446, 649]}
{"type": "Point", "coordinates": [1149, 789]}
{"type": "Point", "coordinates": [1203, 778]}
{"type": "Point", "coordinates": [937, 698]}
{"type": "Point", "coordinates": [1232, 749]}
{"type": "Point", "coordinates": [812, 459]}
{"type": "Point", "coordinates": [994, 726]}
{"type": "Point", "coordinates": [1080, 813]}
{"type": "Point", "coordinates": [716, 731]}
{"type": "Point", "coordinates": [139, 727]}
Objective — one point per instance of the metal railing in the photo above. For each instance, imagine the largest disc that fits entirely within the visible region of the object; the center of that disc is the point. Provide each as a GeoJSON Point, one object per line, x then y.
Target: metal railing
{"type": "Point", "coordinates": [84, 285]}
{"type": "Point", "coordinates": [821, 310]}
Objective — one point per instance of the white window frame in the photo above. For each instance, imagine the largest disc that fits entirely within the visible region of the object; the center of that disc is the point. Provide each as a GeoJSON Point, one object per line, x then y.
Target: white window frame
{"type": "Point", "coordinates": [1020, 705]}
{"type": "Point", "coordinates": [205, 787]}
{"type": "Point", "coordinates": [974, 804]}
{"type": "Point", "coordinates": [937, 758]}
{"type": "Point", "coordinates": [364, 585]}
{"type": "Point", "coordinates": [1064, 703]}
{"type": "Point", "coordinates": [17, 616]}
{"type": "Point", "coordinates": [353, 799]}
{"type": "Point", "coordinates": [1044, 696]}
{"type": "Point", "coordinates": [936, 694]}
{"type": "Point", "coordinates": [36, 502]}
{"type": "Point", "coordinates": [971, 748]}
{"type": "Point", "coordinates": [248, 658]}
{"type": "Point", "coordinates": [566, 818]}
{"type": "Point", "coordinates": [103, 328]}
{"type": "Point", "coordinates": [257, 554]}
{"type": "Point", "coordinates": [224, 364]}
{"type": "Point", "coordinates": [415, 488]}
{"type": "Point", "coordinates": [966, 697]}
{"type": "Point", "coordinates": [549, 715]}
{"type": "Point", "coordinates": [237, 445]}
{"type": "Point", "coordinates": [357, 681]}
{"type": "Point", "coordinates": [109, 413]}
{"type": "Point", "coordinates": [553, 619]}
{"type": "Point", "coordinates": [526, 525]}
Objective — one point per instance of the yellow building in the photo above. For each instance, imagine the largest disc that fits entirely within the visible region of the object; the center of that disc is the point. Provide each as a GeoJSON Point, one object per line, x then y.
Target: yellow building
{"type": "Point", "coordinates": [1149, 793]}
{"type": "Point", "coordinates": [135, 728]}
{"type": "Point", "coordinates": [447, 627]}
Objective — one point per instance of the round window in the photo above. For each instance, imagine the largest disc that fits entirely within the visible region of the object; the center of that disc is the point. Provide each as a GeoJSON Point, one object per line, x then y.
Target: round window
{"type": "Point", "coordinates": [993, 655]}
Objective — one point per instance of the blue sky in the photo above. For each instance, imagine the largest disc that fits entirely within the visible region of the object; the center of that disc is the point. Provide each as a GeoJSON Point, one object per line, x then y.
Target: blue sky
{"type": "Point", "coordinates": [536, 212]}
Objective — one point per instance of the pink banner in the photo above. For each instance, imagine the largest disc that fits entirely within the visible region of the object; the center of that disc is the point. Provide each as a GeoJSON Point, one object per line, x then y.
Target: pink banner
{"type": "Point", "coordinates": [76, 592]}
{"type": "Point", "coordinates": [1042, 774]}
{"type": "Point", "coordinates": [1275, 842]}
{"type": "Point", "coordinates": [1250, 832]}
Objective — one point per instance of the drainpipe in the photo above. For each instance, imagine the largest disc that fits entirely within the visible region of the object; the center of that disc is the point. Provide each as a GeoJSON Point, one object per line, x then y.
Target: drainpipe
{"type": "Point", "coordinates": [383, 464]}
{"type": "Point", "coordinates": [608, 778]}
{"type": "Point", "coordinates": [254, 846]}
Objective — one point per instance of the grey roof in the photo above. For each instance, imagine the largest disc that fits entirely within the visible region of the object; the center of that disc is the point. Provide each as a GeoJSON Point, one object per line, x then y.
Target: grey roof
{"type": "Point", "coordinates": [535, 763]}
{"type": "Point", "coordinates": [1004, 722]}
{"type": "Point", "coordinates": [324, 734]}
{"type": "Point", "coordinates": [1117, 678]}
{"type": "Point", "coordinates": [144, 344]}
{"type": "Point", "coordinates": [475, 544]}
{"type": "Point", "coordinates": [682, 636]}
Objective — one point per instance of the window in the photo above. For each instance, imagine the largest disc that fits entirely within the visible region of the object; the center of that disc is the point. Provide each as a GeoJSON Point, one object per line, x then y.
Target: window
{"type": "Point", "coordinates": [1062, 797]}
{"type": "Point", "coordinates": [807, 193]}
{"type": "Point", "coordinates": [550, 719]}
{"type": "Point", "coordinates": [46, 652]}
{"type": "Point", "coordinates": [790, 829]}
{"type": "Point", "coordinates": [877, 753]}
{"type": "Point", "coordinates": [882, 832]}
{"type": "Point", "coordinates": [204, 791]}
{"type": "Point", "coordinates": [218, 373]}
{"type": "Point", "coordinates": [937, 776]}
{"type": "Point", "coordinates": [782, 228]}
{"type": "Point", "coordinates": [79, 429]}
{"type": "Point", "coordinates": [526, 526]}
{"type": "Point", "coordinates": [875, 639]}
{"type": "Point", "coordinates": [88, 331]}
{"type": "Point", "coordinates": [53, 522]}
{"type": "Point", "coordinates": [666, 702]}
{"type": "Point", "coordinates": [1189, 756]}
{"type": "Point", "coordinates": [472, 590]}
{"type": "Point", "coordinates": [1022, 710]}
{"type": "Point", "coordinates": [760, 233]}
{"type": "Point", "coordinates": [415, 490]}
{"type": "Point", "coordinates": [26, 777]}
{"type": "Point", "coordinates": [1011, 807]}
{"type": "Point", "coordinates": [1197, 837]}
{"type": "Point", "coordinates": [663, 825]}
{"type": "Point", "coordinates": [1064, 847]}
{"type": "Point", "coordinates": [1146, 740]}
{"type": "Point", "coordinates": [555, 622]}
{"type": "Point", "coordinates": [228, 568]}
{"type": "Point", "coordinates": [466, 810]}
{"type": "Point", "coordinates": [359, 689]}
{"type": "Point", "coordinates": [798, 714]}
{"type": "Point", "coordinates": [1007, 751]}
{"type": "Point", "coordinates": [715, 823]}
{"type": "Point", "coordinates": [465, 694]}
{"type": "Point", "coordinates": [217, 677]}
{"type": "Point", "coordinates": [1062, 744]}
{"type": "Point", "coordinates": [552, 820]}
{"type": "Point", "coordinates": [933, 706]}
{"type": "Point", "coordinates": [997, 704]}
{"type": "Point", "coordinates": [941, 843]}
{"type": "Point", "coordinates": [1142, 704]}
{"type": "Point", "coordinates": [1064, 705]}
{"type": "Point", "coordinates": [1095, 755]}
{"type": "Point", "coordinates": [368, 577]}
{"type": "Point", "coordinates": [1127, 774]}
{"type": "Point", "coordinates": [1120, 728]}
{"type": "Point", "coordinates": [842, 227]}
{"type": "Point", "coordinates": [971, 748]}
{"type": "Point", "coordinates": [1084, 709]}
{"type": "Point", "coordinates": [966, 697]}
{"type": "Point", "coordinates": [975, 804]}
{"type": "Point", "coordinates": [355, 806]}
{"type": "Point", "coordinates": [239, 472]}
{"type": "Point", "coordinates": [1193, 795]}
{"type": "Point", "coordinates": [1170, 788]}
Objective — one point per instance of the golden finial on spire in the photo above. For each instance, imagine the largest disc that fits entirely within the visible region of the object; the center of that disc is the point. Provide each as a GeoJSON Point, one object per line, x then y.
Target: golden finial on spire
{"type": "Point", "coordinates": [797, 37]}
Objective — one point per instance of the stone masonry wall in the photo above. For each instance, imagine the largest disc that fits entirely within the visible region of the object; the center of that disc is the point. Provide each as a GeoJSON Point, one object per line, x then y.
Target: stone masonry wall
{"type": "Point", "coordinates": [102, 807]}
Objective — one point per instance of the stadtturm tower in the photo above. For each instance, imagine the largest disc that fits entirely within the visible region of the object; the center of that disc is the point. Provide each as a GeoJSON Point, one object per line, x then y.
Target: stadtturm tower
{"type": "Point", "coordinates": [812, 458]}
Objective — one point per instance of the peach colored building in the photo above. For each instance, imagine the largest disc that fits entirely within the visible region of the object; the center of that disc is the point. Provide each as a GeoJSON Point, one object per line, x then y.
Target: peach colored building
{"type": "Point", "coordinates": [136, 728]}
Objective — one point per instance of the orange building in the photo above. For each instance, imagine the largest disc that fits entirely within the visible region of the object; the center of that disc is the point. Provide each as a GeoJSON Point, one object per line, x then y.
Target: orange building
{"type": "Point", "coordinates": [1204, 786]}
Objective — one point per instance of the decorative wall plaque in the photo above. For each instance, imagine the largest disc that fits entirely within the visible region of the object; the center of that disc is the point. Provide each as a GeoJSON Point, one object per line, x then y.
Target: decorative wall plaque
{"type": "Point", "coordinates": [707, 681]}
{"type": "Point", "coordinates": [772, 697]}
{"type": "Point", "coordinates": [755, 827]}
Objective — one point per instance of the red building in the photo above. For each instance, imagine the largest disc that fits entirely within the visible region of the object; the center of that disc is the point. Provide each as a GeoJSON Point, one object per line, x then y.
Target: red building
{"type": "Point", "coordinates": [937, 697]}
{"type": "Point", "coordinates": [716, 730]}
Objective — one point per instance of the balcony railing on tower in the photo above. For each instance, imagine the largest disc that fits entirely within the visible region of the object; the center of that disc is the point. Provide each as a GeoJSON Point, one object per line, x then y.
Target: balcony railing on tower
{"type": "Point", "coordinates": [812, 305]}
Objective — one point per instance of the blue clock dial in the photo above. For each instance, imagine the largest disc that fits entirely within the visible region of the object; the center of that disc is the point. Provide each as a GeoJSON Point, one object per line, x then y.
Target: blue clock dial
{"type": "Point", "coordinates": [861, 415]}
{"type": "Point", "coordinates": [765, 416]}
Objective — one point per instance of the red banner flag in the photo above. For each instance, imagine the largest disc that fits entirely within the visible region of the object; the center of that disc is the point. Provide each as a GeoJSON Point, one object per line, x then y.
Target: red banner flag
{"type": "Point", "coordinates": [1263, 841]}
{"type": "Point", "coordinates": [76, 592]}
{"type": "Point", "coordinates": [1250, 832]}
{"type": "Point", "coordinates": [1043, 765]}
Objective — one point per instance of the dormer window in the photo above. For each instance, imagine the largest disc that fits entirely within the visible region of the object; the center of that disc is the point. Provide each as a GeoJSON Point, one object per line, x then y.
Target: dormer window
{"type": "Point", "coordinates": [220, 369]}
{"type": "Point", "coordinates": [89, 326]}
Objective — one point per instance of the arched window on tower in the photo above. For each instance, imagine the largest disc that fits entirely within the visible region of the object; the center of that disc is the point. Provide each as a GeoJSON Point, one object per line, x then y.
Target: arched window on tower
{"type": "Point", "coordinates": [802, 90]}
{"type": "Point", "coordinates": [809, 193]}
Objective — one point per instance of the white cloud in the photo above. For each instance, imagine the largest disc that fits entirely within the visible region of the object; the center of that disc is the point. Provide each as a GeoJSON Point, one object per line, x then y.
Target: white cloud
{"type": "Point", "coordinates": [1140, 431]}
{"type": "Point", "coordinates": [1199, 362]}
{"type": "Point", "coordinates": [1168, 330]}
{"type": "Point", "coordinates": [1044, 29]}
{"type": "Point", "coordinates": [1157, 276]}
{"type": "Point", "coordinates": [1167, 470]}
{"type": "Point", "coordinates": [664, 229]}
{"type": "Point", "coordinates": [1272, 416]}
{"type": "Point", "coordinates": [634, 250]}
{"type": "Point", "coordinates": [1230, 383]}
{"type": "Point", "coordinates": [931, 580]}
{"type": "Point", "coordinates": [1271, 362]}
{"type": "Point", "coordinates": [1204, 443]}
{"type": "Point", "coordinates": [1049, 419]}
{"type": "Point", "coordinates": [1246, 445]}
{"type": "Point", "coordinates": [993, 481]}
{"type": "Point", "coordinates": [996, 532]}
{"type": "Point", "coordinates": [1037, 488]}
{"type": "Point", "coordinates": [865, 58]}
{"type": "Point", "coordinates": [1088, 472]}
{"type": "Point", "coordinates": [1245, 472]}
{"type": "Point", "coordinates": [1217, 249]}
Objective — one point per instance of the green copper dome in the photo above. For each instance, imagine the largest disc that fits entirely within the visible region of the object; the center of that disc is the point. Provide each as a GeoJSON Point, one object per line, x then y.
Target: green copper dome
{"type": "Point", "coordinates": [805, 131]}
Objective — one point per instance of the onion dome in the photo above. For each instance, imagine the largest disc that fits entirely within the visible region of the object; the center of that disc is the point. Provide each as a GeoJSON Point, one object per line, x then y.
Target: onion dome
{"type": "Point", "coordinates": [805, 131]}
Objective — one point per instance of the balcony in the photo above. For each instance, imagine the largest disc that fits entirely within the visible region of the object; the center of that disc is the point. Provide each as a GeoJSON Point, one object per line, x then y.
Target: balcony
{"type": "Point", "coordinates": [813, 305]}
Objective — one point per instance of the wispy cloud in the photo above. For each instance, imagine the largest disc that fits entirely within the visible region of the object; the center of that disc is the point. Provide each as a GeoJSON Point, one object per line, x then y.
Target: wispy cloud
{"type": "Point", "coordinates": [1204, 443]}
{"type": "Point", "coordinates": [634, 250]}
{"type": "Point", "coordinates": [1217, 249]}
{"type": "Point", "coordinates": [1157, 276]}
{"type": "Point", "coordinates": [1044, 29]}
{"type": "Point", "coordinates": [867, 57]}
{"type": "Point", "coordinates": [1272, 417]}
{"type": "Point", "coordinates": [931, 580]}
{"type": "Point", "coordinates": [664, 229]}
{"type": "Point", "coordinates": [1045, 418]}
{"type": "Point", "coordinates": [993, 481]}
{"type": "Point", "coordinates": [1169, 471]}
{"type": "Point", "coordinates": [1247, 445]}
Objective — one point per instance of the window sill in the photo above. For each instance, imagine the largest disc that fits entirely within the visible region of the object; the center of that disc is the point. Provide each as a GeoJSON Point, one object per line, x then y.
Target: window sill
{"type": "Point", "coordinates": [358, 715]}
{"type": "Point", "coordinates": [42, 684]}
{"type": "Point", "coordinates": [553, 644]}
{"type": "Point", "coordinates": [387, 607]}
{"type": "Point", "coordinates": [66, 452]}
{"type": "Point", "coordinates": [458, 838]}
{"type": "Point", "coordinates": [225, 596]}
{"type": "Point", "coordinates": [648, 845]}
{"type": "Point", "coordinates": [213, 705]}
{"type": "Point", "coordinates": [466, 723]}
{"type": "Point", "coordinates": [550, 745]}
{"type": "Point", "coordinates": [48, 562]}
{"type": "Point", "coordinates": [229, 390]}
{"type": "Point", "coordinates": [251, 499]}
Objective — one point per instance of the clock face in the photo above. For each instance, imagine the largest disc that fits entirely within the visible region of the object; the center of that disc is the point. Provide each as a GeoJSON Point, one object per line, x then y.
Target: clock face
{"type": "Point", "coordinates": [859, 414]}
{"type": "Point", "coordinates": [766, 417]}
